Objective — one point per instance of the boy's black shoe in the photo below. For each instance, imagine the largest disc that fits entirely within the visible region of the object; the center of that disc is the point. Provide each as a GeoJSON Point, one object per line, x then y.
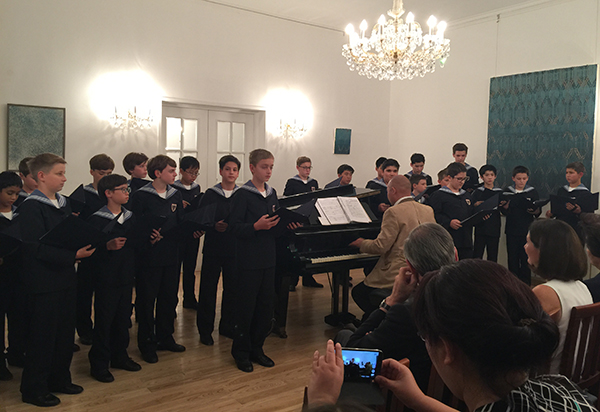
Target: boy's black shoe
{"type": "Point", "coordinates": [42, 400]}
{"type": "Point", "coordinates": [262, 360]}
{"type": "Point", "coordinates": [5, 374]}
{"type": "Point", "coordinates": [129, 365]}
{"type": "Point", "coordinates": [103, 376]}
{"type": "Point", "coordinates": [244, 365]}
{"type": "Point", "coordinates": [310, 282]}
{"type": "Point", "coordinates": [69, 389]}
{"type": "Point", "coordinates": [150, 356]}
{"type": "Point", "coordinates": [207, 340]}
{"type": "Point", "coordinates": [171, 347]}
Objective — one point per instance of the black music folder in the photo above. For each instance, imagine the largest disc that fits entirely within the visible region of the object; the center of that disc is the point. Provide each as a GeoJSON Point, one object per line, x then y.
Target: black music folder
{"type": "Point", "coordinates": [286, 217]}
{"type": "Point", "coordinates": [191, 223]}
{"type": "Point", "coordinates": [77, 199]}
{"type": "Point", "coordinates": [428, 192]}
{"type": "Point", "coordinates": [142, 229]}
{"type": "Point", "coordinates": [72, 234]}
{"type": "Point", "coordinates": [484, 209]}
{"type": "Point", "coordinates": [10, 240]}
{"type": "Point", "coordinates": [558, 204]}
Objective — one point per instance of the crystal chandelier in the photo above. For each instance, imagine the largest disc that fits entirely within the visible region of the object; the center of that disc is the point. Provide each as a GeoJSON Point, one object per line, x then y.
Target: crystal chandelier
{"type": "Point", "coordinates": [397, 49]}
{"type": "Point", "coordinates": [291, 130]}
{"type": "Point", "coordinates": [131, 119]}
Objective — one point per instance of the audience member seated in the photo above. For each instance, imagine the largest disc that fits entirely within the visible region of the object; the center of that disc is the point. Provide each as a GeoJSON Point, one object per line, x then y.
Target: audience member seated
{"type": "Point", "coordinates": [591, 231]}
{"type": "Point", "coordinates": [391, 328]}
{"type": "Point", "coordinates": [486, 334]}
{"type": "Point", "coordinates": [555, 253]}
{"type": "Point", "coordinates": [397, 222]}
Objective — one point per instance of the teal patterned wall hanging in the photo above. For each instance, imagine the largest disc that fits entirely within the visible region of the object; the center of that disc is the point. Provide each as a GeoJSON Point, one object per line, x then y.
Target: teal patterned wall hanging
{"type": "Point", "coordinates": [542, 120]}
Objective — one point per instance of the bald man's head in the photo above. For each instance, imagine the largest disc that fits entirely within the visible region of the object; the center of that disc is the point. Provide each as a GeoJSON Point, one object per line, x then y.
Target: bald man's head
{"type": "Point", "coordinates": [398, 188]}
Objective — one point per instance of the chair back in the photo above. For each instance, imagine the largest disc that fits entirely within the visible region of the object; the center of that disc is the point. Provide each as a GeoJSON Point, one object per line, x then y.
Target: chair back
{"type": "Point", "coordinates": [580, 360]}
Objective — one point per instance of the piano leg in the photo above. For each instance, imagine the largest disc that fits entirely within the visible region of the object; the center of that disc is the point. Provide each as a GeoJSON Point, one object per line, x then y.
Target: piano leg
{"type": "Point", "coordinates": [337, 317]}
{"type": "Point", "coordinates": [282, 291]}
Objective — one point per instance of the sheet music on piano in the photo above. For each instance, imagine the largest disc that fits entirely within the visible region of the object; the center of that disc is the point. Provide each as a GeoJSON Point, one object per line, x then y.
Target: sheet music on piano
{"type": "Point", "coordinates": [341, 210]}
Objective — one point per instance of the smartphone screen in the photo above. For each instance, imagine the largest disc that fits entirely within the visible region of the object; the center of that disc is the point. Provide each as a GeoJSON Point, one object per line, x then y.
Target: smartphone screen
{"type": "Point", "coordinates": [361, 365]}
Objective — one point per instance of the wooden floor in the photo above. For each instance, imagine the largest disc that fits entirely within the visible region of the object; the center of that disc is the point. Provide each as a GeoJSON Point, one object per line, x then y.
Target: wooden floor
{"type": "Point", "coordinates": [205, 378]}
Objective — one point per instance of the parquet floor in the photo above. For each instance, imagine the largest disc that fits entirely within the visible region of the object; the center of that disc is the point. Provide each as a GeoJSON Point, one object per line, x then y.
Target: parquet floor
{"type": "Point", "coordinates": [205, 378]}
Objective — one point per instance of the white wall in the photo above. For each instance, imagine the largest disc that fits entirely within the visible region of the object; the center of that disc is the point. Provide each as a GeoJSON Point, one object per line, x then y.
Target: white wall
{"type": "Point", "coordinates": [53, 50]}
{"type": "Point", "coordinates": [451, 105]}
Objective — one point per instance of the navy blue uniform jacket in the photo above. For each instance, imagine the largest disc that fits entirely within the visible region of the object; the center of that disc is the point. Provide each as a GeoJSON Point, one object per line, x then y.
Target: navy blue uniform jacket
{"type": "Point", "coordinates": [448, 206]}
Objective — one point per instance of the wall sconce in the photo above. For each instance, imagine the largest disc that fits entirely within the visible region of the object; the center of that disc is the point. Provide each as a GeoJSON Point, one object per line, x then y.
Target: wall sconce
{"type": "Point", "coordinates": [289, 113]}
{"type": "Point", "coordinates": [127, 118]}
{"type": "Point", "coordinates": [126, 99]}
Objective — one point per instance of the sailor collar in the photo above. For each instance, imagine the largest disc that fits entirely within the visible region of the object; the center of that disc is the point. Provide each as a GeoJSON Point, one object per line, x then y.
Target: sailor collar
{"type": "Point", "coordinates": [297, 177]}
{"type": "Point", "coordinates": [468, 166]}
{"type": "Point", "coordinates": [410, 173]}
{"type": "Point", "coordinates": [495, 189]}
{"type": "Point", "coordinates": [90, 188]}
{"type": "Point", "coordinates": [180, 185]}
{"type": "Point", "coordinates": [447, 190]}
{"type": "Point", "coordinates": [379, 181]}
{"type": "Point", "coordinates": [572, 189]}
{"type": "Point", "coordinates": [23, 193]}
{"type": "Point", "coordinates": [526, 189]}
{"type": "Point", "coordinates": [219, 189]}
{"type": "Point", "coordinates": [107, 214]}
{"type": "Point", "coordinates": [251, 188]}
{"type": "Point", "coordinates": [40, 197]}
{"type": "Point", "coordinates": [150, 189]}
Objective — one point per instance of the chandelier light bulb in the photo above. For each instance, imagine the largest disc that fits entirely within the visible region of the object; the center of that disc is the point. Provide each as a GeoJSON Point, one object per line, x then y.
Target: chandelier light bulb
{"type": "Point", "coordinates": [396, 49]}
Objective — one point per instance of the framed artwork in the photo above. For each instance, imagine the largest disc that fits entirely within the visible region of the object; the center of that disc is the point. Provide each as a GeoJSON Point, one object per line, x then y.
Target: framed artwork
{"type": "Point", "coordinates": [341, 141]}
{"type": "Point", "coordinates": [33, 130]}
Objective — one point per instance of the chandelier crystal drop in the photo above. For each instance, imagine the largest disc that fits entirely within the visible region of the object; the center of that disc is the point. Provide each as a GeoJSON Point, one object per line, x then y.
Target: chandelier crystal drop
{"type": "Point", "coordinates": [397, 49]}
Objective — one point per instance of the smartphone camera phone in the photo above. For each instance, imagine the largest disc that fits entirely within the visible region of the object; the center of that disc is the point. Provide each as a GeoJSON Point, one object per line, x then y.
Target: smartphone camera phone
{"type": "Point", "coordinates": [361, 365]}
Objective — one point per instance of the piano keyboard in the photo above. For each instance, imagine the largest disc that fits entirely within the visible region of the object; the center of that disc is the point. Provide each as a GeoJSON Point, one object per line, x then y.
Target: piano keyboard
{"type": "Point", "coordinates": [327, 259]}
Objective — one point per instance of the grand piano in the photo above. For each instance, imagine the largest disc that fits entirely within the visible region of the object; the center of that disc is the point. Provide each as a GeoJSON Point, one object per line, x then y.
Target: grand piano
{"type": "Point", "coordinates": [317, 248]}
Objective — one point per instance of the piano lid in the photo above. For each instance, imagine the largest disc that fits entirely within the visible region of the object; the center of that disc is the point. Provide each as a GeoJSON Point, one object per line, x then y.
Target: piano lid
{"type": "Point", "coordinates": [346, 190]}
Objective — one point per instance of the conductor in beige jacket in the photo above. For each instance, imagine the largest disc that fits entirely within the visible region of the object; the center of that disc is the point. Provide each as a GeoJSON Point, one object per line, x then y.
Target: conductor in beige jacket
{"type": "Point", "coordinates": [397, 222]}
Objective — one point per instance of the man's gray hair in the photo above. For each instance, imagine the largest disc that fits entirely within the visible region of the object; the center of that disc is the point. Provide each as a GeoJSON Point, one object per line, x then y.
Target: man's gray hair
{"type": "Point", "coordinates": [429, 247]}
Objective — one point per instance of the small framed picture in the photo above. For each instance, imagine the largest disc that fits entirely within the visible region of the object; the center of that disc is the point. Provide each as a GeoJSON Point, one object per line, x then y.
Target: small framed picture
{"type": "Point", "coordinates": [33, 130]}
{"type": "Point", "coordinates": [341, 141]}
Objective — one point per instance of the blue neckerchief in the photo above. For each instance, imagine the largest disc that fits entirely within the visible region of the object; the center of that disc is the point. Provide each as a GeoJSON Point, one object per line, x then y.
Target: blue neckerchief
{"type": "Point", "coordinates": [526, 189]}
{"type": "Point", "coordinates": [180, 185]}
{"type": "Point", "coordinates": [250, 187]}
{"type": "Point", "coordinates": [107, 214]}
{"type": "Point", "coordinates": [150, 189]}
{"type": "Point", "coordinates": [90, 188]}
{"type": "Point", "coordinates": [446, 189]}
{"type": "Point", "coordinates": [379, 181]}
{"type": "Point", "coordinates": [40, 197]}
{"type": "Point", "coordinates": [219, 189]}
{"type": "Point", "coordinates": [580, 187]}
{"type": "Point", "coordinates": [297, 177]}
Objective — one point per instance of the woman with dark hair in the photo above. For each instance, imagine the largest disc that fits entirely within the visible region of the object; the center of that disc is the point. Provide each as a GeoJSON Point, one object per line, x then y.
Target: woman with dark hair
{"type": "Point", "coordinates": [591, 231]}
{"type": "Point", "coordinates": [487, 335]}
{"type": "Point", "coordinates": [555, 253]}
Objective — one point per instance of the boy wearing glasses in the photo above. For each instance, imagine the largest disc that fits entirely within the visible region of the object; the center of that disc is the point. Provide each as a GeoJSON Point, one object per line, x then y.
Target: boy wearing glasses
{"type": "Point", "coordinates": [113, 272]}
{"type": "Point", "coordinates": [302, 182]}
{"type": "Point", "coordinates": [100, 165]}
{"type": "Point", "coordinates": [451, 205]}
{"type": "Point", "coordinates": [188, 252]}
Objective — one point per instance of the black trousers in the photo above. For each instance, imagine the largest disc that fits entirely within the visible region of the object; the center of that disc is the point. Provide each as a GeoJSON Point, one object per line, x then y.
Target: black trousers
{"type": "Point", "coordinates": [188, 256]}
{"type": "Point", "coordinates": [368, 298]}
{"type": "Point", "coordinates": [17, 315]}
{"type": "Point", "coordinates": [50, 342]}
{"type": "Point", "coordinates": [483, 242]}
{"type": "Point", "coordinates": [112, 309]}
{"type": "Point", "coordinates": [156, 286]}
{"type": "Point", "coordinates": [85, 293]}
{"type": "Point", "coordinates": [517, 258]}
{"type": "Point", "coordinates": [212, 267]}
{"type": "Point", "coordinates": [254, 297]}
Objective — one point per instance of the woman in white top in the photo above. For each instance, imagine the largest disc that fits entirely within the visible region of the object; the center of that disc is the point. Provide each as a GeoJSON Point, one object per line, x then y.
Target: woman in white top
{"type": "Point", "coordinates": [556, 254]}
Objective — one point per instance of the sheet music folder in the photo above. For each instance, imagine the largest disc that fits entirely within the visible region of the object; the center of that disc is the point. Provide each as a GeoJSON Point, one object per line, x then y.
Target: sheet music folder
{"type": "Point", "coordinates": [558, 204]}
{"type": "Point", "coordinates": [484, 209]}
{"type": "Point", "coordinates": [72, 234]}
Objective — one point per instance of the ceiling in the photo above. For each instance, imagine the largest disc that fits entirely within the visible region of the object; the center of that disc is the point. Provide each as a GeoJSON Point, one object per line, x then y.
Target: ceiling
{"type": "Point", "coordinates": [336, 14]}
